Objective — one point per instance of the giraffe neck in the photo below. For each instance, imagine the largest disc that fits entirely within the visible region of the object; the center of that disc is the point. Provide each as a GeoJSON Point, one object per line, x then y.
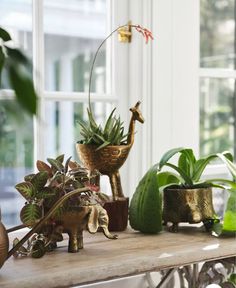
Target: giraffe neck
{"type": "Point", "coordinates": [130, 139]}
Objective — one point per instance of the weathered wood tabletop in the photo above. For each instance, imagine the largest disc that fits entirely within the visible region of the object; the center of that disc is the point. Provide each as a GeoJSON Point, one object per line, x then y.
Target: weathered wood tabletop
{"type": "Point", "coordinates": [102, 259]}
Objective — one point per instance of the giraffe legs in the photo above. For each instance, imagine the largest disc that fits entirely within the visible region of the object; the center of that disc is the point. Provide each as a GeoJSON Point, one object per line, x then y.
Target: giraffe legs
{"type": "Point", "coordinates": [116, 187]}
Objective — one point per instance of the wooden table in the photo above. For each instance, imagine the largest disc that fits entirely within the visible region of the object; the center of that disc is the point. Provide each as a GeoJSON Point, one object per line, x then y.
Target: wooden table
{"type": "Point", "coordinates": [102, 259]}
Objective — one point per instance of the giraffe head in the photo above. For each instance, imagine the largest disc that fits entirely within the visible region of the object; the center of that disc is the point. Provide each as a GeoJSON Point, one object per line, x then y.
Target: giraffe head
{"type": "Point", "coordinates": [137, 115]}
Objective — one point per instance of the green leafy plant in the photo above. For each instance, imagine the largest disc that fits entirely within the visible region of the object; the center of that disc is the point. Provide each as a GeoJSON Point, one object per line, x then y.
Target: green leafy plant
{"type": "Point", "coordinates": [113, 131]}
{"type": "Point", "coordinates": [43, 189]}
{"type": "Point", "coordinates": [18, 70]}
{"type": "Point", "coordinates": [189, 175]}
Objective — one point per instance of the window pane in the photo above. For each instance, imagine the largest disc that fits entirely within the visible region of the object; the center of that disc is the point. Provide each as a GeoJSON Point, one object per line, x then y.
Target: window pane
{"type": "Point", "coordinates": [62, 129]}
{"type": "Point", "coordinates": [216, 118]}
{"type": "Point", "coordinates": [217, 48]}
{"type": "Point", "coordinates": [73, 31]}
{"type": "Point", "coordinates": [16, 158]}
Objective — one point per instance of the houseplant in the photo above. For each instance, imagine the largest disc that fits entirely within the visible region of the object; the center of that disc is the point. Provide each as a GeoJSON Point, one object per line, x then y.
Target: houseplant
{"type": "Point", "coordinates": [106, 149]}
{"type": "Point", "coordinates": [18, 70]}
{"type": "Point", "coordinates": [186, 196]}
{"type": "Point", "coordinates": [60, 198]}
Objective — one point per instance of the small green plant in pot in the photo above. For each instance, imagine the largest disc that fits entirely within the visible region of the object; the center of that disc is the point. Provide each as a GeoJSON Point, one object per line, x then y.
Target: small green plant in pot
{"type": "Point", "coordinates": [186, 196]}
{"type": "Point", "coordinates": [61, 198]}
{"type": "Point", "coordinates": [107, 148]}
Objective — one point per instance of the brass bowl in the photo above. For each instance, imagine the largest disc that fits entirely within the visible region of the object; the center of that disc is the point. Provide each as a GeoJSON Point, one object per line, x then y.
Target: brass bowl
{"type": "Point", "coordinates": [187, 205]}
{"type": "Point", "coordinates": [106, 160]}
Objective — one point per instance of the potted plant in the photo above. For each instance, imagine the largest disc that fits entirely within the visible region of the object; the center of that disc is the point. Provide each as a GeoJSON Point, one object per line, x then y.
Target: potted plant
{"type": "Point", "coordinates": [186, 196]}
{"type": "Point", "coordinates": [62, 198]}
{"type": "Point", "coordinates": [106, 148]}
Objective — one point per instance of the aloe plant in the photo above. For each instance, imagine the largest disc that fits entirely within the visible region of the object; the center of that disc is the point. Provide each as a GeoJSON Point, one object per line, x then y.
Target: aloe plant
{"type": "Point", "coordinates": [113, 131]}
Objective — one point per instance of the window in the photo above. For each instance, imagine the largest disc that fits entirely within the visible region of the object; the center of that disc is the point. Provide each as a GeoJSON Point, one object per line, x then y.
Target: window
{"type": "Point", "coordinates": [217, 76]}
{"type": "Point", "coordinates": [61, 37]}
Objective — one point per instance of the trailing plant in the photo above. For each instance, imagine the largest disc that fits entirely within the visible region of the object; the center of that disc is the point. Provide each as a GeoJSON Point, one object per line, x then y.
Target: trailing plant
{"type": "Point", "coordinates": [113, 131]}
{"type": "Point", "coordinates": [18, 70]}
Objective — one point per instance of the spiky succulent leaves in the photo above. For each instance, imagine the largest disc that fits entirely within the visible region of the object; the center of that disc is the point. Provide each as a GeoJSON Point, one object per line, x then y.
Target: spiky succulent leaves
{"type": "Point", "coordinates": [27, 190]}
{"type": "Point", "coordinates": [109, 124]}
{"type": "Point", "coordinates": [30, 214]}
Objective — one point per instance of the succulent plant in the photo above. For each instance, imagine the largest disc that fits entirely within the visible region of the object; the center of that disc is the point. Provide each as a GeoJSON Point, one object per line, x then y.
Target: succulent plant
{"type": "Point", "coordinates": [113, 131]}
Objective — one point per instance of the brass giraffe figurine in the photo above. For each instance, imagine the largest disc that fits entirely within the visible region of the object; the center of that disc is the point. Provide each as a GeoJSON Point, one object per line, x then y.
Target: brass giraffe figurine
{"type": "Point", "coordinates": [109, 159]}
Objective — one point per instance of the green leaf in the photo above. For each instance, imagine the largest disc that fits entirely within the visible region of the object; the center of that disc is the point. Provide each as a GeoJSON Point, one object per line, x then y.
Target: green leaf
{"type": "Point", "coordinates": [39, 180]}
{"type": "Point", "coordinates": [23, 87]}
{"type": "Point", "coordinates": [26, 189]}
{"type": "Point", "coordinates": [56, 164]}
{"type": "Point", "coordinates": [167, 178]}
{"type": "Point", "coordinates": [30, 214]}
{"type": "Point", "coordinates": [106, 143]}
{"type": "Point", "coordinates": [45, 193]}
{"type": "Point", "coordinates": [60, 158]}
{"type": "Point", "coordinates": [183, 164]}
{"type": "Point", "coordinates": [109, 123]}
{"type": "Point", "coordinates": [92, 122]}
{"type": "Point", "coordinates": [191, 160]}
{"type": "Point", "coordinates": [4, 35]}
{"type": "Point", "coordinates": [29, 177]}
{"type": "Point", "coordinates": [182, 173]}
{"type": "Point", "coordinates": [67, 164]}
{"type": "Point", "coordinates": [19, 57]}
{"type": "Point", "coordinates": [170, 153]}
{"type": "Point", "coordinates": [230, 165]}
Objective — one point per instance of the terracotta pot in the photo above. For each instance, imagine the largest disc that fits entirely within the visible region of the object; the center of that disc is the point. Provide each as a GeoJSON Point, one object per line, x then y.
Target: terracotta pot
{"type": "Point", "coordinates": [187, 205]}
{"type": "Point", "coordinates": [4, 244]}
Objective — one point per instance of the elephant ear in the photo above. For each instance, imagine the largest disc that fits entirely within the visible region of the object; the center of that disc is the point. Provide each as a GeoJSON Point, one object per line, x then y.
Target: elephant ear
{"type": "Point", "coordinates": [93, 223]}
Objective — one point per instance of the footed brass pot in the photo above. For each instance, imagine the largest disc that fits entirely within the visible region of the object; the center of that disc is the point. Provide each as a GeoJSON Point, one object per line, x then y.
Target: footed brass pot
{"type": "Point", "coordinates": [187, 205]}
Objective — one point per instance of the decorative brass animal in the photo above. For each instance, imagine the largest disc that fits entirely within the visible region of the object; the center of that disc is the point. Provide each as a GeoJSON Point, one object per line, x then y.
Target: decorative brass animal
{"type": "Point", "coordinates": [109, 159]}
{"type": "Point", "coordinates": [75, 221]}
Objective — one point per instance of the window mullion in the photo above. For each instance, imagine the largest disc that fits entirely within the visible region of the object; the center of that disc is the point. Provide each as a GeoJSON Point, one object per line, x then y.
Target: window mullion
{"type": "Point", "coordinates": [38, 64]}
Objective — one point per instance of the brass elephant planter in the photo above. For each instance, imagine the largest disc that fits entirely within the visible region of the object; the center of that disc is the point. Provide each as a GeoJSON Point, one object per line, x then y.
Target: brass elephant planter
{"type": "Point", "coordinates": [73, 222]}
{"type": "Point", "coordinates": [187, 205]}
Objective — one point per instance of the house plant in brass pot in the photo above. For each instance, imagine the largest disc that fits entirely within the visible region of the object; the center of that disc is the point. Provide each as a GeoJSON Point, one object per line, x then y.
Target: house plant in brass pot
{"type": "Point", "coordinates": [106, 148]}
{"type": "Point", "coordinates": [186, 196]}
{"type": "Point", "coordinates": [190, 200]}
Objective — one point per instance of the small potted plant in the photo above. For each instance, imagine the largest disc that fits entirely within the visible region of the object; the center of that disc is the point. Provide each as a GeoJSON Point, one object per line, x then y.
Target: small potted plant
{"type": "Point", "coordinates": [106, 148]}
{"type": "Point", "coordinates": [62, 199]}
{"type": "Point", "coordinates": [186, 196]}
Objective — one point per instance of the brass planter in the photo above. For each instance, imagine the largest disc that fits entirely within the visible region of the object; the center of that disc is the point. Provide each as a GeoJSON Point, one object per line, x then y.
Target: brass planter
{"type": "Point", "coordinates": [4, 244]}
{"type": "Point", "coordinates": [187, 205]}
{"type": "Point", "coordinates": [107, 161]}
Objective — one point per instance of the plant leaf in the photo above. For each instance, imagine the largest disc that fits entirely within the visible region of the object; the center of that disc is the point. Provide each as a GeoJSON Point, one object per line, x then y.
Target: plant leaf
{"type": "Point", "coordinates": [60, 158]}
{"type": "Point", "coordinates": [170, 153]}
{"type": "Point", "coordinates": [4, 35]}
{"type": "Point", "coordinates": [56, 164]}
{"type": "Point", "coordinates": [39, 180]}
{"type": "Point", "coordinates": [29, 177]}
{"type": "Point", "coordinates": [67, 164]}
{"type": "Point", "coordinates": [23, 87]}
{"type": "Point", "coordinates": [30, 214]}
{"type": "Point", "coordinates": [182, 173]}
{"type": "Point", "coordinates": [42, 166]}
{"type": "Point", "coordinates": [26, 189]}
